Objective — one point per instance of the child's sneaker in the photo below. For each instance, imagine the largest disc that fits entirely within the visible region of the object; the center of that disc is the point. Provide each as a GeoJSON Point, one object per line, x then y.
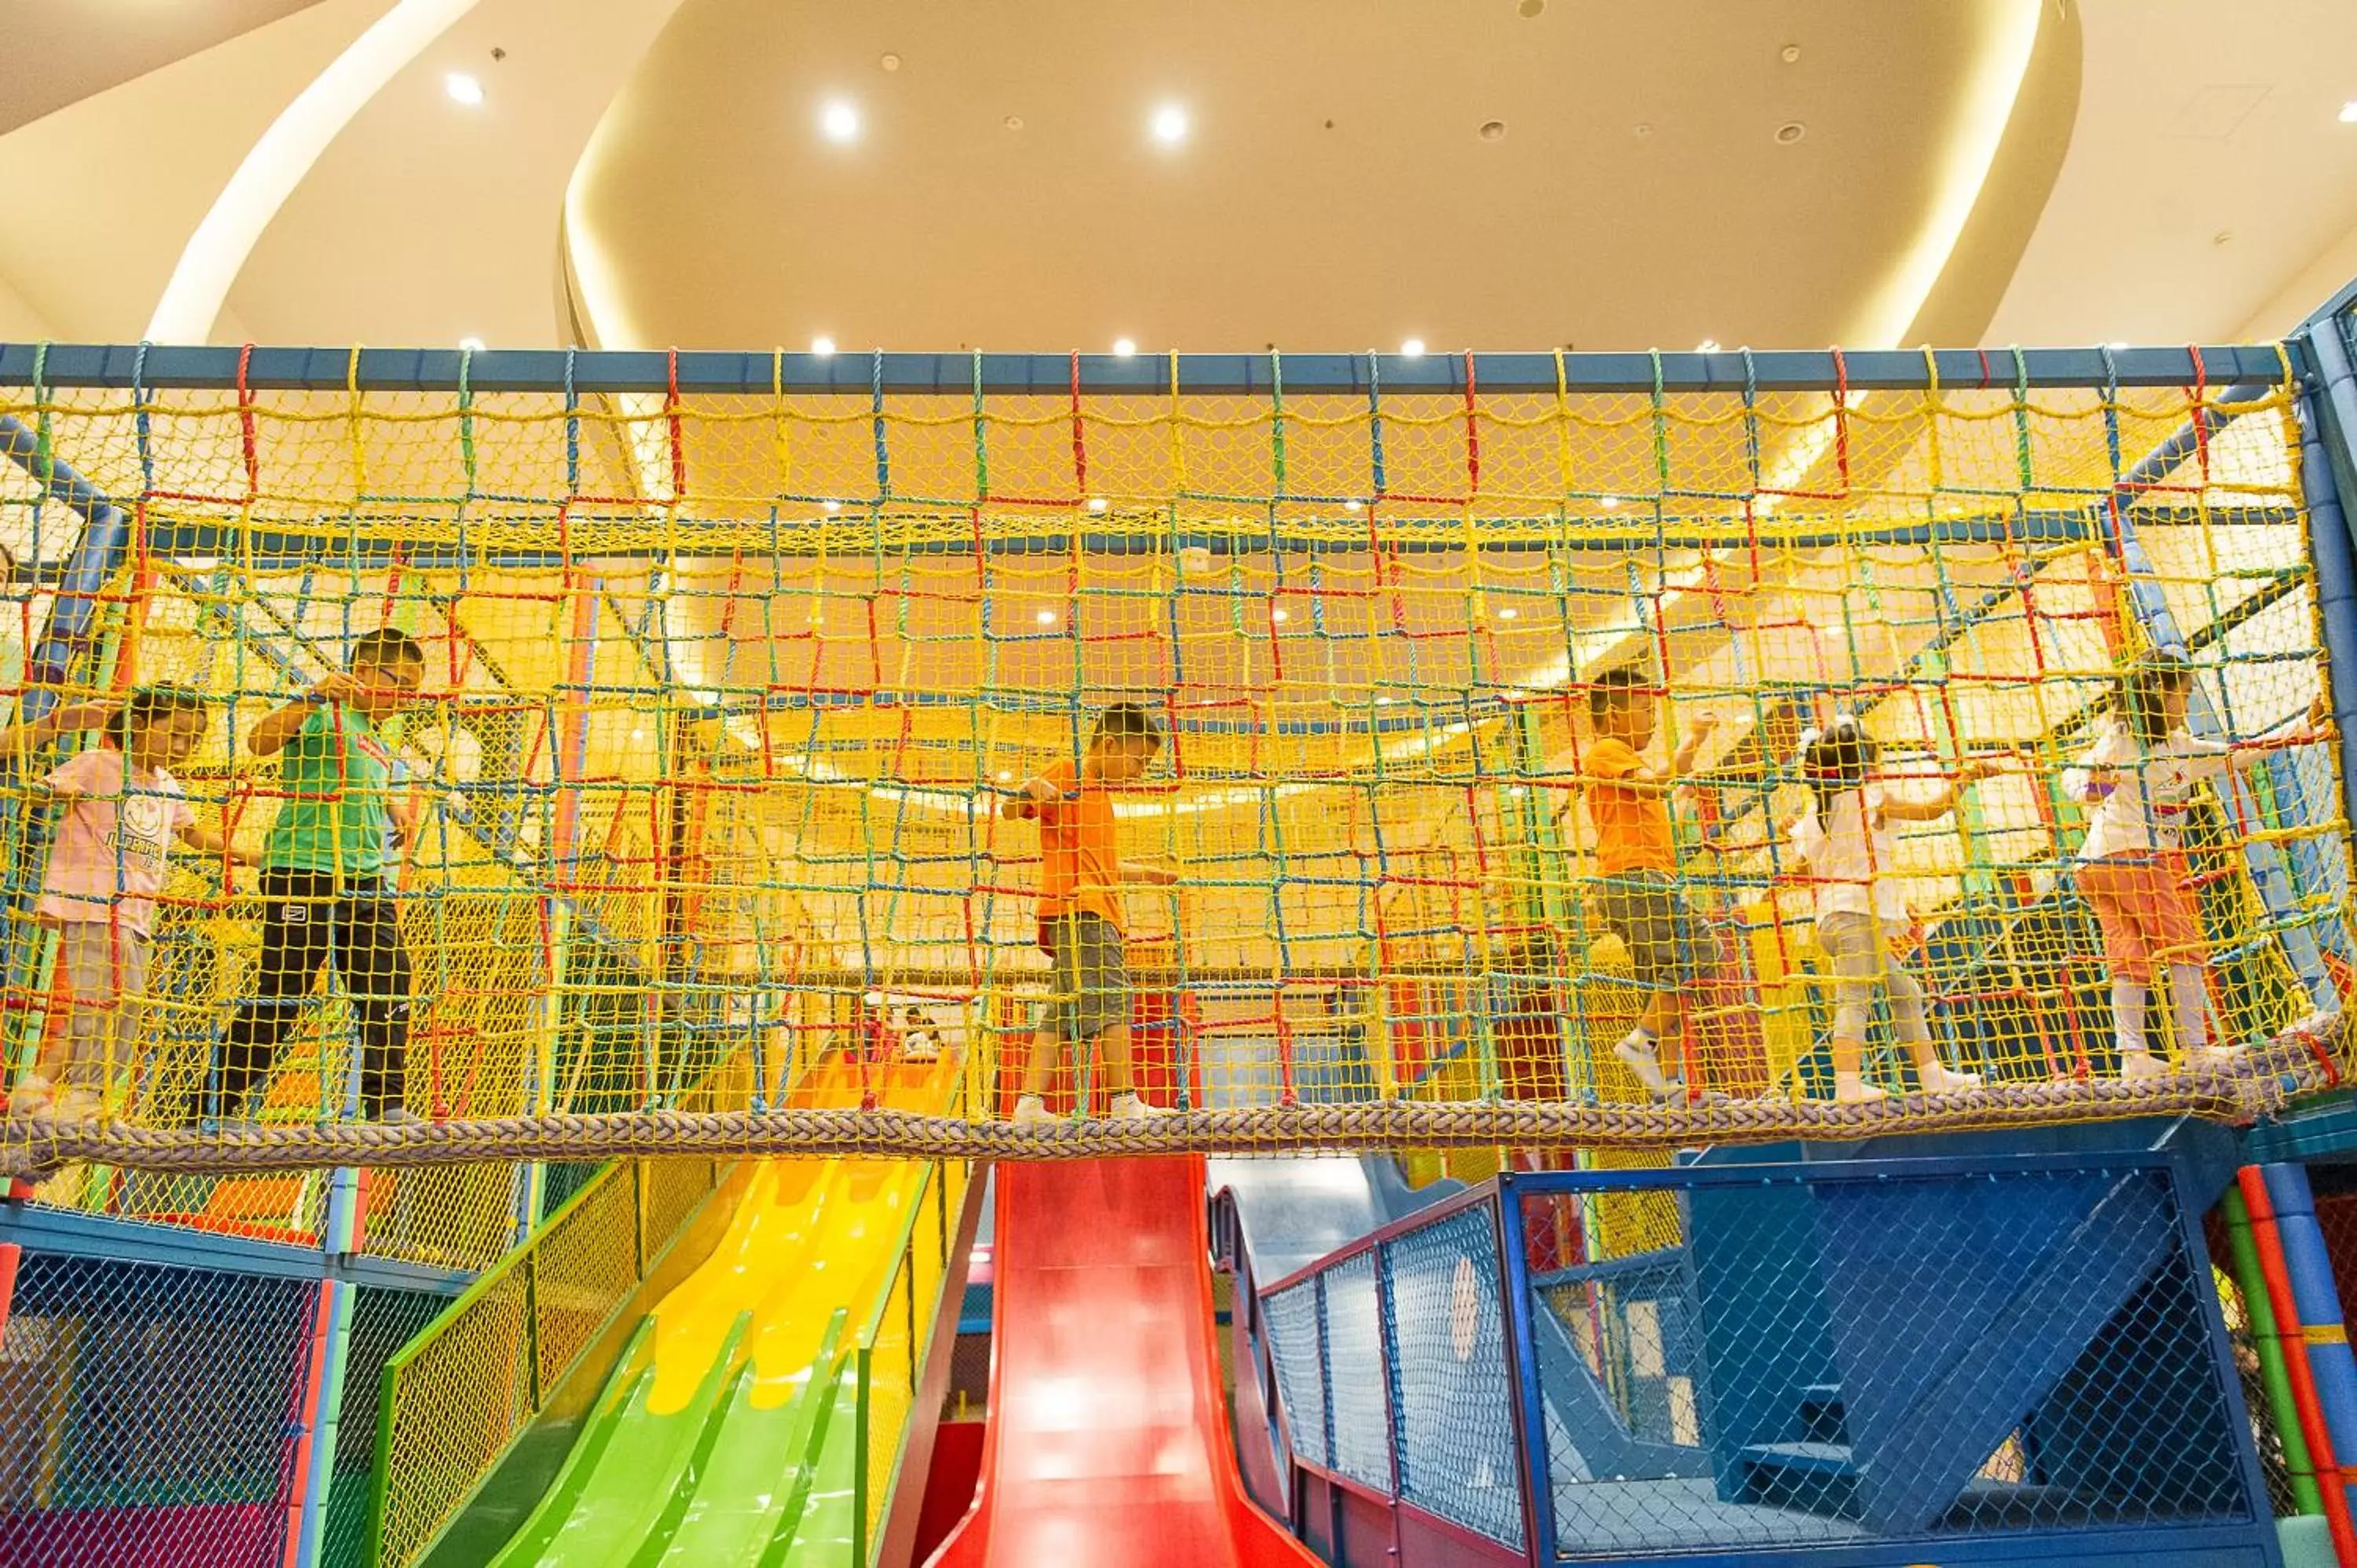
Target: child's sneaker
{"type": "Point", "coordinates": [1938, 1080]}
{"type": "Point", "coordinates": [2142, 1066]}
{"type": "Point", "coordinates": [1030, 1110]}
{"type": "Point", "coordinates": [1130, 1108]}
{"type": "Point", "coordinates": [31, 1096]}
{"type": "Point", "coordinates": [75, 1105]}
{"type": "Point", "coordinates": [1636, 1054]}
{"type": "Point", "coordinates": [400, 1116]}
{"type": "Point", "coordinates": [1848, 1091]}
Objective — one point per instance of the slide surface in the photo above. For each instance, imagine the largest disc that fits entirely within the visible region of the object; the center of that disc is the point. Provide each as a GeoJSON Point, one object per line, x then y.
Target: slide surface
{"type": "Point", "coordinates": [711, 1441]}
{"type": "Point", "coordinates": [1108, 1440]}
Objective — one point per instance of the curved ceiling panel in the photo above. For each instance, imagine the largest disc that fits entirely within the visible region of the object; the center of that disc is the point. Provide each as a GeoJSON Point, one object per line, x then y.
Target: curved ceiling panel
{"type": "Point", "coordinates": [1335, 188]}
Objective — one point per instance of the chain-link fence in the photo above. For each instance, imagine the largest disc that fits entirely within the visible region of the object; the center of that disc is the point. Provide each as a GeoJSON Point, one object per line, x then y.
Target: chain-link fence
{"type": "Point", "coordinates": [1835, 1355]}
{"type": "Point", "coordinates": [145, 1413]}
{"type": "Point", "coordinates": [456, 1398]}
{"type": "Point", "coordinates": [1783, 1356]}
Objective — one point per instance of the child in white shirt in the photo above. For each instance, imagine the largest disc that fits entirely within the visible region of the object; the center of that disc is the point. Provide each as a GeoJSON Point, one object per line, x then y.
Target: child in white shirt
{"type": "Point", "coordinates": [2140, 777]}
{"type": "Point", "coordinates": [1844, 841]}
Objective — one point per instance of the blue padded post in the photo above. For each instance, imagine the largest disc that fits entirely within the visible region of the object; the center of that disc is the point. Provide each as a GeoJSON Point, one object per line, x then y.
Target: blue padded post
{"type": "Point", "coordinates": [97, 554]}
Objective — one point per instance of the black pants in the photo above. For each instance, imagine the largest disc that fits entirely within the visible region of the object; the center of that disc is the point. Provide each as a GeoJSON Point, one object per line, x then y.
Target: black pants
{"type": "Point", "coordinates": [304, 924]}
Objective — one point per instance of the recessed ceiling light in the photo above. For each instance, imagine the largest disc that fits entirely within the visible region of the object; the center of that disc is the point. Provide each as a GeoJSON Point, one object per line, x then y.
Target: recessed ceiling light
{"type": "Point", "coordinates": [1047, 618]}
{"type": "Point", "coordinates": [1123, 346]}
{"type": "Point", "coordinates": [890, 62]}
{"type": "Point", "coordinates": [1354, 504]}
{"type": "Point", "coordinates": [1707, 346]}
{"type": "Point", "coordinates": [1509, 613]}
{"type": "Point", "coordinates": [840, 121]}
{"type": "Point", "coordinates": [1386, 702]}
{"type": "Point", "coordinates": [1791, 131]}
{"type": "Point", "coordinates": [1098, 503]}
{"type": "Point", "coordinates": [833, 506]}
{"type": "Point", "coordinates": [2222, 237]}
{"type": "Point", "coordinates": [1494, 130]}
{"type": "Point", "coordinates": [1612, 503]}
{"type": "Point", "coordinates": [1790, 54]}
{"type": "Point", "coordinates": [2348, 112]}
{"type": "Point", "coordinates": [1642, 129]}
{"type": "Point", "coordinates": [637, 734]}
{"type": "Point", "coordinates": [470, 345]}
{"type": "Point", "coordinates": [1280, 616]}
{"type": "Point", "coordinates": [1013, 122]}
{"type": "Point", "coordinates": [1169, 125]}
{"type": "Point", "coordinates": [1413, 348]}
{"type": "Point", "coordinates": [1530, 8]}
{"type": "Point", "coordinates": [462, 88]}
{"type": "Point", "coordinates": [1004, 777]}
{"type": "Point", "coordinates": [823, 347]}
{"type": "Point", "coordinates": [2116, 348]}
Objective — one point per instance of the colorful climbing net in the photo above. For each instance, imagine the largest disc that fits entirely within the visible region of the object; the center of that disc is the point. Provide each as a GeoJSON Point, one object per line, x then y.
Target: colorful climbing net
{"type": "Point", "coordinates": [693, 820]}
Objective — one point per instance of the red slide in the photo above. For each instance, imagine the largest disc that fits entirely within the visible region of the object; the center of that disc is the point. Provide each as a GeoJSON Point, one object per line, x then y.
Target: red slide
{"type": "Point", "coordinates": [1108, 1440]}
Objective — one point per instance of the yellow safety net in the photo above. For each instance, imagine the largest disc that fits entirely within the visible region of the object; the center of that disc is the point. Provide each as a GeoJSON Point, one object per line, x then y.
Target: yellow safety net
{"type": "Point", "coordinates": [1534, 767]}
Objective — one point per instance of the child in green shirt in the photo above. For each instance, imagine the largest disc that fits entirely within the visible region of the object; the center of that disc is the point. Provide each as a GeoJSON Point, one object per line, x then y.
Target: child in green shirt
{"type": "Point", "coordinates": [327, 877]}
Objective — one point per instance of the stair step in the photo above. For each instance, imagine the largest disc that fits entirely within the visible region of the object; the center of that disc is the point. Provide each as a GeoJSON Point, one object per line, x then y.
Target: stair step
{"type": "Point", "coordinates": [1818, 1478]}
{"type": "Point", "coordinates": [1823, 1420]}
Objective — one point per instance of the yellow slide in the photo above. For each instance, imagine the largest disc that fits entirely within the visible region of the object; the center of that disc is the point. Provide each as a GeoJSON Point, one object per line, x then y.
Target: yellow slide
{"type": "Point", "coordinates": [702, 1448]}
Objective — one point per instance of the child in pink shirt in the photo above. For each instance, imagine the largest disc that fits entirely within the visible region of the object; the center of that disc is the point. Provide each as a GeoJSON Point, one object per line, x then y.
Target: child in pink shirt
{"type": "Point", "coordinates": [107, 862]}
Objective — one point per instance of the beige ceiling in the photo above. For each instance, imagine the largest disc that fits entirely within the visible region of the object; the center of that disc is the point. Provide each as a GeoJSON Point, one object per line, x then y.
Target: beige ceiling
{"type": "Point", "coordinates": [62, 51]}
{"type": "Point", "coordinates": [1335, 191]}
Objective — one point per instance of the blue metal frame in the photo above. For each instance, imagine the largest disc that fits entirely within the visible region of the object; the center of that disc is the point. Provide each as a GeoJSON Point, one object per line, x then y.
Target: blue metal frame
{"type": "Point", "coordinates": [73, 365]}
{"type": "Point", "coordinates": [70, 1234]}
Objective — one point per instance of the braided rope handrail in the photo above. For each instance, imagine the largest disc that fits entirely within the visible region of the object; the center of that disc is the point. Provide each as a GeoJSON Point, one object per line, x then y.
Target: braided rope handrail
{"type": "Point", "coordinates": [2262, 1083]}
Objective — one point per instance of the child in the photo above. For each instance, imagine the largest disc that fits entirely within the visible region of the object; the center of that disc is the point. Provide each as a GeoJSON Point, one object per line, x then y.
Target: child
{"type": "Point", "coordinates": [1636, 858]}
{"type": "Point", "coordinates": [2139, 776]}
{"type": "Point", "coordinates": [106, 866]}
{"type": "Point", "coordinates": [1080, 877]}
{"type": "Point", "coordinates": [326, 879]}
{"type": "Point", "coordinates": [1844, 841]}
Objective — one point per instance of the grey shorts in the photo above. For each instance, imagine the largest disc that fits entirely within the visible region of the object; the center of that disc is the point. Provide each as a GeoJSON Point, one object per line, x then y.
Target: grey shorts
{"type": "Point", "coordinates": [1091, 972]}
{"type": "Point", "coordinates": [1646, 911]}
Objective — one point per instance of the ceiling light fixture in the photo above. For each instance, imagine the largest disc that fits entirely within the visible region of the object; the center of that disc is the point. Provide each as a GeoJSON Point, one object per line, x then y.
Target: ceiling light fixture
{"type": "Point", "coordinates": [1707, 346]}
{"type": "Point", "coordinates": [839, 120]}
{"type": "Point", "coordinates": [1047, 618]}
{"type": "Point", "coordinates": [1530, 8]}
{"type": "Point", "coordinates": [1098, 503]}
{"type": "Point", "coordinates": [470, 345]}
{"type": "Point", "coordinates": [1412, 349]}
{"type": "Point", "coordinates": [1169, 125]}
{"type": "Point", "coordinates": [1791, 131]}
{"type": "Point", "coordinates": [1494, 130]}
{"type": "Point", "coordinates": [823, 347]}
{"type": "Point", "coordinates": [1790, 54]}
{"type": "Point", "coordinates": [1013, 122]}
{"type": "Point", "coordinates": [1280, 616]}
{"type": "Point", "coordinates": [1123, 347]}
{"type": "Point", "coordinates": [2348, 112]}
{"type": "Point", "coordinates": [2116, 348]}
{"type": "Point", "coordinates": [1509, 613]}
{"type": "Point", "coordinates": [463, 89]}
{"type": "Point", "coordinates": [890, 62]}
{"type": "Point", "coordinates": [1004, 777]}
{"type": "Point", "coordinates": [1354, 504]}
{"type": "Point", "coordinates": [1612, 503]}
{"type": "Point", "coordinates": [831, 507]}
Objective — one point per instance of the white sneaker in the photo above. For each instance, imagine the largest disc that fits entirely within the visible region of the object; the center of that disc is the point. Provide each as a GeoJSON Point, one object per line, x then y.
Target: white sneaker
{"type": "Point", "coordinates": [1640, 1058]}
{"type": "Point", "coordinates": [75, 1105]}
{"type": "Point", "coordinates": [31, 1096]}
{"type": "Point", "coordinates": [1130, 1108]}
{"type": "Point", "coordinates": [1855, 1091]}
{"type": "Point", "coordinates": [400, 1116]}
{"type": "Point", "coordinates": [1945, 1080]}
{"type": "Point", "coordinates": [2142, 1066]}
{"type": "Point", "coordinates": [1030, 1110]}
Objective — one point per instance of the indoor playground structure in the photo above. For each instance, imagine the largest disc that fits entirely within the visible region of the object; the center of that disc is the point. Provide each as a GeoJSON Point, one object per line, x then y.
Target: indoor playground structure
{"type": "Point", "coordinates": [630, 1171]}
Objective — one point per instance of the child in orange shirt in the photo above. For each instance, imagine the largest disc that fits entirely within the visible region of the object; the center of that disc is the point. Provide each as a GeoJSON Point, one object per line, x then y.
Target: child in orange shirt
{"type": "Point", "coordinates": [1080, 877]}
{"type": "Point", "coordinates": [1636, 859]}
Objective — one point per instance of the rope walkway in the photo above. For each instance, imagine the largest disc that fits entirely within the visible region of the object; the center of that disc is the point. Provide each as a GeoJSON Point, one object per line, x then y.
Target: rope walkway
{"type": "Point", "coordinates": [2262, 1084]}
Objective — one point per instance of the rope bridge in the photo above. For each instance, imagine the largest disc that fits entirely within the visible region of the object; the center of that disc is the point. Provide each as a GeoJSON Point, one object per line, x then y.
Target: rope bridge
{"type": "Point", "coordinates": [729, 666]}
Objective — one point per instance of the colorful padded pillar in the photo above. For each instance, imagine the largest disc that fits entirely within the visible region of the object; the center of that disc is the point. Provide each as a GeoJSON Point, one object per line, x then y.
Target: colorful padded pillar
{"type": "Point", "coordinates": [321, 1401]}
{"type": "Point", "coordinates": [2267, 1339]}
{"type": "Point", "coordinates": [2324, 1387]}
